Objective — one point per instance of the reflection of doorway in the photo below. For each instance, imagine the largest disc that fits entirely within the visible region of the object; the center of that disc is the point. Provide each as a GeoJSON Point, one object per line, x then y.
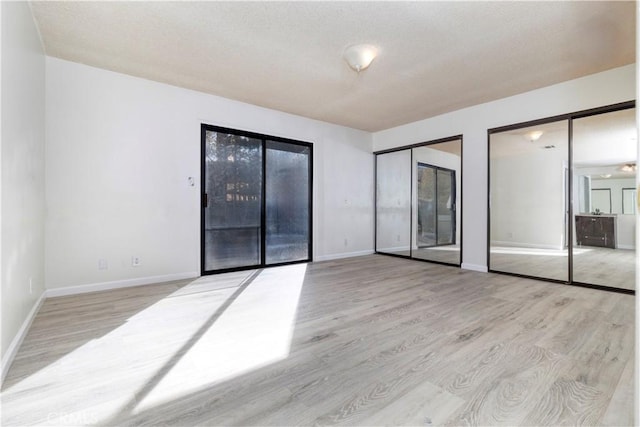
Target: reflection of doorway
{"type": "Point", "coordinates": [436, 206]}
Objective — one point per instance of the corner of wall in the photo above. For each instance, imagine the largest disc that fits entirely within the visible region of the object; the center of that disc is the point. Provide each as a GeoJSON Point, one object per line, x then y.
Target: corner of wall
{"type": "Point", "coordinates": [12, 349]}
{"type": "Point", "coordinates": [474, 267]}
{"type": "Point", "coordinates": [22, 165]}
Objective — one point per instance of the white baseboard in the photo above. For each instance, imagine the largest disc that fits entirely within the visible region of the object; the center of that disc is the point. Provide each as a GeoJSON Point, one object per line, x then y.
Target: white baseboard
{"type": "Point", "coordinates": [11, 352]}
{"type": "Point", "coordinates": [341, 255]}
{"type": "Point", "coordinates": [395, 249]}
{"type": "Point", "coordinates": [73, 290]}
{"type": "Point", "coordinates": [524, 245]}
{"type": "Point", "coordinates": [116, 284]}
{"type": "Point", "coordinates": [474, 267]}
{"type": "Point", "coordinates": [631, 247]}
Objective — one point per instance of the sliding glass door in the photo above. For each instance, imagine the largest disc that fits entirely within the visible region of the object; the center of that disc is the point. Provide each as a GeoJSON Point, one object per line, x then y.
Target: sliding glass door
{"type": "Point", "coordinates": [287, 202]}
{"type": "Point", "coordinates": [256, 202]}
{"type": "Point", "coordinates": [233, 201]}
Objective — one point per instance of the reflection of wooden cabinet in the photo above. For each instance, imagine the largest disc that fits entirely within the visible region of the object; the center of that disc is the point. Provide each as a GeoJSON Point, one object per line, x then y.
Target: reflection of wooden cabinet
{"type": "Point", "coordinates": [596, 230]}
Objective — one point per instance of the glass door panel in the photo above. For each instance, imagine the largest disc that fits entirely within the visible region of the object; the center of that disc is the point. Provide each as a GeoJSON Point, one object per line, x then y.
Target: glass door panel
{"type": "Point", "coordinates": [604, 154]}
{"type": "Point", "coordinates": [232, 209]}
{"type": "Point", "coordinates": [393, 202]}
{"type": "Point", "coordinates": [287, 202]}
{"type": "Point", "coordinates": [529, 201]}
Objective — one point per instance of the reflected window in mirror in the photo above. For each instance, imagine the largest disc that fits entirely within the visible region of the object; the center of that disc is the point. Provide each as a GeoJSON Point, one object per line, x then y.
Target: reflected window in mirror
{"type": "Point", "coordinates": [600, 201]}
{"type": "Point", "coordinates": [629, 201]}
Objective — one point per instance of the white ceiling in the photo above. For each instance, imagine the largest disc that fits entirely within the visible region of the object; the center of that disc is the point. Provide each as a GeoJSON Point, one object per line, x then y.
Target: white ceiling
{"type": "Point", "coordinates": [434, 57]}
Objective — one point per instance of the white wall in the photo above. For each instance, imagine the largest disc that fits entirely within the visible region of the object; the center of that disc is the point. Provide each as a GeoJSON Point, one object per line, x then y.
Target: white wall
{"type": "Point", "coordinates": [23, 137]}
{"type": "Point", "coordinates": [527, 191]}
{"type": "Point", "coordinates": [609, 87]}
{"type": "Point", "coordinates": [119, 153]}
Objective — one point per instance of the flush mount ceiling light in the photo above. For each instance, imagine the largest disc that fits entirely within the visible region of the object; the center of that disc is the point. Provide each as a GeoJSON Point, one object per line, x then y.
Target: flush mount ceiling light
{"type": "Point", "coordinates": [629, 167]}
{"type": "Point", "coordinates": [359, 56]}
{"type": "Point", "coordinates": [534, 135]}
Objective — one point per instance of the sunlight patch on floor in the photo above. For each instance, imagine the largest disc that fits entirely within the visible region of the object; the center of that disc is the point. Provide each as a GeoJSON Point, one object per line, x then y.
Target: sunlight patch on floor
{"type": "Point", "coordinates": [107, 373]}
{"type": "Point", "coordinates": [254, 331]}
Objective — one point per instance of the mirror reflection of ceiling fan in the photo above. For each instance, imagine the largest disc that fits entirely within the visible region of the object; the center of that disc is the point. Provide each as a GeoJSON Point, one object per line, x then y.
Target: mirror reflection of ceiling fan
{"type": "Point", "coordinates": [629, 167]}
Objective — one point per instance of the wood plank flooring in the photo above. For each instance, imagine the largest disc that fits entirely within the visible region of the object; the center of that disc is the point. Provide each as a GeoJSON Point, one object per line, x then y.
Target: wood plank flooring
{"type": "Point", "coordinates": [449, 254]}
{"type": "Point", "coordinates": [373, 340]}
{"type": "Point", "coordinates": [614, 268]}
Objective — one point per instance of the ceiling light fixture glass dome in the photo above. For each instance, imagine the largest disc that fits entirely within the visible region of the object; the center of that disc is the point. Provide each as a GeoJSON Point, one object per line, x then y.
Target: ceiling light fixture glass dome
{"type": "Point", "coordinates": [360, 56]}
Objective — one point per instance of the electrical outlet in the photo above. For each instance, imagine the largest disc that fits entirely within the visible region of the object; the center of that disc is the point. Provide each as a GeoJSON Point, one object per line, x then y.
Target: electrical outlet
{"type": "Point", "coordinates": [135, 261]}
{"type": "Point", "coordinates": [102, 264]}
{"type": "Point", "coordinates": [30, 285]}
{"type": "Point", "coordinates": [346, 242]}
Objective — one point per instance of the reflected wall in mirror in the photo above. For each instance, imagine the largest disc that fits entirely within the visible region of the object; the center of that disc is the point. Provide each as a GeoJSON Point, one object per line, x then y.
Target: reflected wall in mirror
{"type": "Point", "coordinates": [528, 201]}
{"type": "Point", "coordinates": [605, 153]}
{"type": "Point", "coordinates": [437, 175]}
{"type": "Point", "coordinates": [393, 202]}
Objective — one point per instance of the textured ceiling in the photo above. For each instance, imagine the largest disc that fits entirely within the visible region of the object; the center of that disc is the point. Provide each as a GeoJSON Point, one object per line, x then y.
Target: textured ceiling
{"type": "Point", "coordinates": [434, 57]}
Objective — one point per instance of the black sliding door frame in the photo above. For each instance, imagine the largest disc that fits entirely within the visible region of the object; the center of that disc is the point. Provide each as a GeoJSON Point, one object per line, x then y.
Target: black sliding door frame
{"type": "Point", "coordinates": [265, 139]}
{"type": "Point", "coordinates": [569, 117]}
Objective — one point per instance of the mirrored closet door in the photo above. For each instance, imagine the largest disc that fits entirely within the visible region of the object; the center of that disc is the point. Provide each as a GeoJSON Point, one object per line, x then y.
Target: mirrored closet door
{"type": "Point", "coordinates": [418, 201]}
{"type": "Point", "coordinates": [560, 192]}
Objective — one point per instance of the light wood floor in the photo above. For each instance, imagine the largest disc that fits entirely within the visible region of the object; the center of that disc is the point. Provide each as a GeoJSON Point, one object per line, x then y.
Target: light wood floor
{"type": "Point", "coordinates": [597, 266]}
{"type": "Point", "coordinates": [372, 340]}
{"type": "Point", "coordinates": [449, 254]}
